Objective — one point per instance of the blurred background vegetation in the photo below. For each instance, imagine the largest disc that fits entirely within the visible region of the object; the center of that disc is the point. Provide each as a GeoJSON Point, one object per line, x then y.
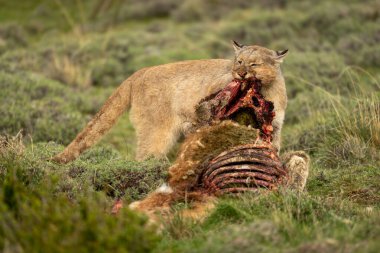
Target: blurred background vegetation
{"type": "Point", "coordinates": [60, 60]}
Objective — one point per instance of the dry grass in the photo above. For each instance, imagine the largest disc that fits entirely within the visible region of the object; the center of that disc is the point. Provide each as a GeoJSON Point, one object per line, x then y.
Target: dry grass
{"type": "Point", "coordinates": [67, 71]}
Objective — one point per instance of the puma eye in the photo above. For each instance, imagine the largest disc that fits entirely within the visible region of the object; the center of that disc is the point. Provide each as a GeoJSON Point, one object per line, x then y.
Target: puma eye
{"type": "Point", "coordinates": [254, 64]}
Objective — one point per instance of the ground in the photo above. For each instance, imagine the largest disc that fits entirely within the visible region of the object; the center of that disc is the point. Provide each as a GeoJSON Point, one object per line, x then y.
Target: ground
{"type": "Point", "coordinates": [59, 60]}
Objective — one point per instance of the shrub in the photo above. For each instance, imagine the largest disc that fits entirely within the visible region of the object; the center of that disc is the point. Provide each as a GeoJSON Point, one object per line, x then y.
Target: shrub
{"type": "Point", "coordinates": [39, 107]}
{"type": "Point", "coordinates": [99, 169]}
{"type": "Point", "coordinates": [147, 9]}
{"type": "Point", "coordinates": [38, 215]}
{"type": "Point", "coordinates": [12, 36]}
{"type": "Point", "coordinates": [37, 220]}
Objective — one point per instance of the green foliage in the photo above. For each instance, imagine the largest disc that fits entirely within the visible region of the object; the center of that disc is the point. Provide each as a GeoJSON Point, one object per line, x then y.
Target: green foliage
{"type": "Point", "coordinates": [100, 169]}
{"type": "Point", "coordinates": [39, 108]}
{"type": "Point", "coordinates": [224, 212]}
{"type": "Point", "coordinates": [33, 219]}
{"type": "Point", "coordinates": [283, 221]}
{"type": "Point", "coordinates": [12, 36]}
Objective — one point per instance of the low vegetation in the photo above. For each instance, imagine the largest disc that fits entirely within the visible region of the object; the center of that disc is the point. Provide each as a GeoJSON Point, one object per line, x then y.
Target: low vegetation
{"type": "Point", "coordinates": [59, 60]}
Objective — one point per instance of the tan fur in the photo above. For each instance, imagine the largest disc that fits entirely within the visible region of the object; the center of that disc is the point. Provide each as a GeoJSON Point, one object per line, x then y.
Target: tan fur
{"type": "Point", "coordinates": [264, 64]}
{"type": "Point", "coordinates": [202, 145]}
{"type": "Point", "coordinates": [162, 100]}
{"type": "Point", "coordinates": [206, 143]}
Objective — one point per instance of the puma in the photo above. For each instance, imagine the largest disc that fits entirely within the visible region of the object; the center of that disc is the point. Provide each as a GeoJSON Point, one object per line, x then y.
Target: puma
{"type": "Point", "coordinates": [162, 99]}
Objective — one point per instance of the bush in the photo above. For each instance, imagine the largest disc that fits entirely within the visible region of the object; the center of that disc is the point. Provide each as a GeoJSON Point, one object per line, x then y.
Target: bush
{"type": "Point", "coordinates": [46, 207]}
{"type": "Point", "coordinates": [12, 36]}
{"type": "Point", "coordinates": [37, 220]}
{"type": "Point", "coordinates": [39, 107]}
{"type": "Point", "coordinates": [99, 169]}
{"type": "Point", "coordinates": [147, 9]}
{"type": "Point", "coordinates": [99, 62]}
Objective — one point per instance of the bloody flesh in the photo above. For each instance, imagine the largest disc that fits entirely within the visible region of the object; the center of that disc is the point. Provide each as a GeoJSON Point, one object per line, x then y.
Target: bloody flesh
{"type": "Point", "coordinates": [246, 167]}
{"type": "Point", "coordinates": [242, 96]}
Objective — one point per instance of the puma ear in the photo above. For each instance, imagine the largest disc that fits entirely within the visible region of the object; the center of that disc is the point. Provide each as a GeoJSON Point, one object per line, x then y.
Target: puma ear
{"type": "Point", "coordinates": [237, 46]}
{"type": "Point", "coordinates": [280, 55]}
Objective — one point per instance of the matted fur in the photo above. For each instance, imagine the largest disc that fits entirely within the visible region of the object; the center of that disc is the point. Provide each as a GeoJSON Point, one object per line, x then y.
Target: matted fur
{"type": "Point", "coordinates": [201, 146]}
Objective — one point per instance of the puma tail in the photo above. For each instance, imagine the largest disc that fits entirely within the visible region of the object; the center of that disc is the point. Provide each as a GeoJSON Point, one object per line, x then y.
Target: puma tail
{"type": "Point", "coordinates": [115, 105]}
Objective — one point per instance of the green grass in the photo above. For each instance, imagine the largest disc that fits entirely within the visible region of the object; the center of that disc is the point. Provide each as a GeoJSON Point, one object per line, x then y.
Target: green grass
{"type": "Point", "coordinates": [60, 60]}
{"type": "Point", "coordinates": [281, 222]}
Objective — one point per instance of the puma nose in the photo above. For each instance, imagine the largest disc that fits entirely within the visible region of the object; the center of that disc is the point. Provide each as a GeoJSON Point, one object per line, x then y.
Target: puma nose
{"type": "Point", "coordinates": [242, 74]}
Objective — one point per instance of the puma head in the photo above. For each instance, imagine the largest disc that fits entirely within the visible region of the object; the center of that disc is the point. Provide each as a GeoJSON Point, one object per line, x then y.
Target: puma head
{"type": "Point", "coordinates": [258, 62]}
